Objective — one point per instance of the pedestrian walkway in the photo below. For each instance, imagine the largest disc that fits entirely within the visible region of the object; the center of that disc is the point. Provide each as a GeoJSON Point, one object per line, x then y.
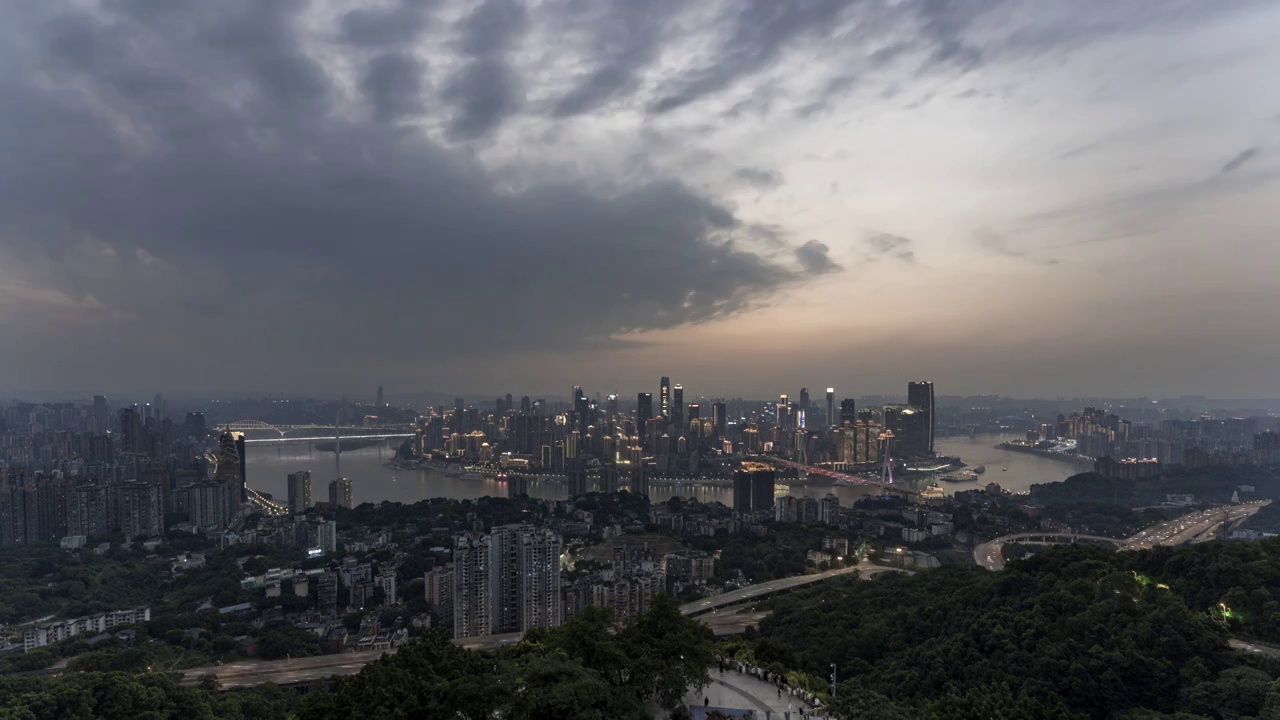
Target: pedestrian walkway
{"type": "Point", "coordinates": [732, 689]}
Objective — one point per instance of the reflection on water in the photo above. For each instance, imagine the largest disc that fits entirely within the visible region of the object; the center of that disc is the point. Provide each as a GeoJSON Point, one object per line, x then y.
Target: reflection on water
{"type": "Point", "coordinates": [1024, 470]}
{"type": "Point", "coordinates": [268, 467]}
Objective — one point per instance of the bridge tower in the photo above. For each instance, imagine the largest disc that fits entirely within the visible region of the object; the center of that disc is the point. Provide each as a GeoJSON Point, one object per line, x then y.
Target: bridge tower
{"type": "Point", "coordinates": [337, 442]}
{"type": "Point", "coordinates": [886, 452]}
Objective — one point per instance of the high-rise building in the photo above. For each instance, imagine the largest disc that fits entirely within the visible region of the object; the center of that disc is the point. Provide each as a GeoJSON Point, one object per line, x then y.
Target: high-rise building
{"type": "Point", "coordinates": [472, 594]}
{"type": "Point", "coordinates": [644, 413]}
{"type": "Point", "coordinates": [677, 409]}
{"type": "Point", "coordinates": [231, 467]}
{"type": "Point", "coordinates": [762, 484]}
{"type": "Point", "coordinates": [379, 402]}
{"type": "Point", "coordinates": [784, 411]}
{"type": "Point", "coordinates": [639, 481]}
{"type": "Point", "coordinates": [507, 581]}
{"type": "Point", "coordinates": [719, 419]}
{"type": "Point", "coordinates": [804, 400]}
{"type": "Point", "coordinates": [539, 579]}
{"type": "Point", "coordinates": [742, 492]}
{"type": "Point", "coordinates": [439, 594]}
{"type": "Point", "coordinates": [195, 426]}
{"type": "Point", "coordinates": [664, 395]}
{"type": "Point", "coordinates": [340, 492]}
{"type": "Point", "coordinates": [910, 430]}
{"type": "Point", "coordinates": [831, 408]}
{"type": "Point", "coordinates": [920, 397]}
{"type": "Point", "coordinates": [753, 489]}
{"type": "Point", "coordinates": [299, 491]}
{"type": "Point", "coordinates": [848, 412]}
{"type": "Point", "coordinates": [101, 415]}
{"type": "Point", "coordinates": [131, 430]}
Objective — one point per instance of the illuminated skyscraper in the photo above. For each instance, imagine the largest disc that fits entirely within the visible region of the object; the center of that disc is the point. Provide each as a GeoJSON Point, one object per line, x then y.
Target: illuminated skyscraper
{"type": "Point", "coordinates": [784, 411]}
{"type": "Point", "coordinates": [831, 408]}
{"type": "Point", "coordinates": [230, 469]}
{"type": "Point", "coordinates": [804, 400]}
{"type": "Point", "coordinates": [920, 397]}
{"type": "Point", "coordinates": [677, 410]}
{"type": "Point", "coordinates": [664, 396]}
{"type": "Point", "coordinates": [644, 413]}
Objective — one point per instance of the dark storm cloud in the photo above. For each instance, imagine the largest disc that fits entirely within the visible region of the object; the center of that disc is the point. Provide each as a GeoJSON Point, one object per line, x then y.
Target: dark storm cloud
{"type": "Point", "coordinates": [393, 83]}
{"type": "Point", "coordinates": [377, 27]}
{"type": "Point", "coordinates": [890, 246]}
{"type": "Point", "coordinates": [1241, 158]}
{"type": "Point", "coordinates": [813, 257]}
{"type": "Point", "coordinates": [486, 90]}
{"type": "Point", "coordinates": [173, 188]}
{"type": "Point", "coordinates": [758, 178]}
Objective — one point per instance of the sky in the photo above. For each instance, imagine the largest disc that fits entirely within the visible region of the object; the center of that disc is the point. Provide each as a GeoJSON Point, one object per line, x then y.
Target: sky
{"type": "Point", "coordinates": [1030, 198]}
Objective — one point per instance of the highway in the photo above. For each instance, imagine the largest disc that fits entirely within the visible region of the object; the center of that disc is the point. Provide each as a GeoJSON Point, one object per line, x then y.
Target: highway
{"type": "Point", "coordinates": [1196, 526]}
{"type": "Point", "coordinates": [726, 614]}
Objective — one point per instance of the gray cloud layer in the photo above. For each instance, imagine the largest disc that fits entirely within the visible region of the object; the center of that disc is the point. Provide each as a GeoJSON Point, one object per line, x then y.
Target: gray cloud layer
{"type": "Point", "coordinates": [185, 179]}
{"type": "Point", "coordinates": [193, 182]}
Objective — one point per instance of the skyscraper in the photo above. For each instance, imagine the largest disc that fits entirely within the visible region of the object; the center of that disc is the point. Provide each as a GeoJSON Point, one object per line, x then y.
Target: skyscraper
{"type": "Point", "coordinates": [677, 409]}
{"type": "Point", "coordinates": [507, 581]}
{"type": "Point", "coordinates": [340, 492]}
{"type": "Point", "coordinates": [804, 400]}
{"type": "Point", "coordinates": [130, 430]}
{"type": "Point", "coordinates": [472, 597]}
{"type": "Point", "coordinates": [195, 425]}
{"type": "Point", "coordinates": [299, 491]}
{"type": "Point", "coordinates": [379, 402]}
{"type": "Point", "coordinates": [848, 411]}
{"type": "Point", "coordinates": [539, 579]}
{"type": "Point", "coordinates": [644, 413]}
{"type": "Point", "coordinates": [753, 489]}
{"type": "Point", "coordinates": [831, 408]}
{"type": "Point", "coordinates": [228, 469]}
{"type": "Point", "coordinates": [664, 395]}
{"type": "Point", "coordinates": [101, 416]}
{"type": "Point", "coordinates": [719, 418]}
{"type": "Point", "coordinates": [784, 411]}
{"type": "Point", "coordinates": [920, 396]}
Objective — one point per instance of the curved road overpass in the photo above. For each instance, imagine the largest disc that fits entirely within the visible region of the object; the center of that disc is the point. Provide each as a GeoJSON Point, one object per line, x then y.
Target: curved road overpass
{"type": "Point", "coordinates": [1193, 527]}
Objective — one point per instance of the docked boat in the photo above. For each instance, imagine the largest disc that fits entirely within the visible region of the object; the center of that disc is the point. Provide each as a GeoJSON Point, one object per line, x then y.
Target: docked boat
{"type": "Point", "coordinates": [980, 469]}
{"type": "Point", "coordinates": [962, 476]}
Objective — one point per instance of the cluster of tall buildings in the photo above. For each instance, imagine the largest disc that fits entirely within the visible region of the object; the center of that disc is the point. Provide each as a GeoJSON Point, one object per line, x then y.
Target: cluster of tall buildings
{"type": "Point", "coordinates": [1196, 442]}
{"type": "Point", "coordinates": [505, 581]}
{"type": "Point", "coordinates": [669, 435]}
{"type": "Point", "coordinates": [90, 470]}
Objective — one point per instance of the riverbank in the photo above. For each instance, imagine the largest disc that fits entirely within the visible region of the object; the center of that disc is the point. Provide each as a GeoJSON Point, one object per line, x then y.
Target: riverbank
{"type": "Point", "coordinates": [1060, 457]}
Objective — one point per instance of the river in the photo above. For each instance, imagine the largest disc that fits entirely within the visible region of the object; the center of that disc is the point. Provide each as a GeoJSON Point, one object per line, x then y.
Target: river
{"type": "Point", "coordinates": [270, 465]}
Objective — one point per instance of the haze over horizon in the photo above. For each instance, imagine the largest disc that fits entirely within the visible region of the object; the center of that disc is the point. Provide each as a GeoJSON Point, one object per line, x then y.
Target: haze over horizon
{"type": "Point", "coordinates": [1029, 199]}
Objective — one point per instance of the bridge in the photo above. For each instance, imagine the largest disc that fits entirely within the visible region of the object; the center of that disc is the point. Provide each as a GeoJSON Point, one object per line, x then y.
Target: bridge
{"type": "Point", "coordinates": [843, 478]}
{"type": "Point", "coordinates": [329, 438]}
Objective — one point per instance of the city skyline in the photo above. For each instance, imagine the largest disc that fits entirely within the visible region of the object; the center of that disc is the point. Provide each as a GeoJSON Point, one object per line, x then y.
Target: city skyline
{"type": "Point", "coordinates": [1020, 198]}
